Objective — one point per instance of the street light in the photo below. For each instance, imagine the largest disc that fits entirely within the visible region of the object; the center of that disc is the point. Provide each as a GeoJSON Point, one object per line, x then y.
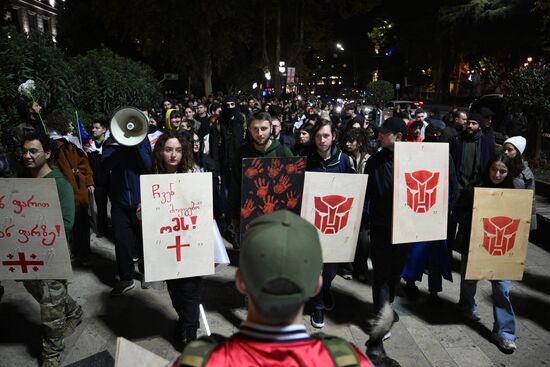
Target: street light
{"type": "Point", "coordinates": [282, 67]}
{"type": "Point", "coordinates": [529, 59]}
{"type": "Point", "coordinates": [267, 75]}
{"type": "Point", "coordinates": [255, 85]}
{"type": "Point", "coordinates": [339, 46]}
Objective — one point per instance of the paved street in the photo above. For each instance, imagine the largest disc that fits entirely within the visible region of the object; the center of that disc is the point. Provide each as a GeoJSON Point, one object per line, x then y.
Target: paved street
{"type": "Point", "coordinates": [426, 335]}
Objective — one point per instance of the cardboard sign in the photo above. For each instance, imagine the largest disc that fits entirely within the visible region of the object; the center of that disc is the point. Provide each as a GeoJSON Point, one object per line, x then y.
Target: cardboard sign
{"type": "Point", "coordinates": [500, 234]}
{"type": "Point", "coordinates": [129, 354]}
{"type": "Point", "coordinates": [178, 233]}
{"type": "Point", "coordinates": [270, 184]}
{"type": "Point", "coordinates": [420, 192]}
{"type": "Point", "coordinates": [333, 202]}
{"type": "Point", "coordinates": [33, 244]}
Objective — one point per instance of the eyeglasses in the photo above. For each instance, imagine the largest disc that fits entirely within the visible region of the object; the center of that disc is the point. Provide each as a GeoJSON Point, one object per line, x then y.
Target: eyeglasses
{"type": "Point", "coordinates": [33, 152]}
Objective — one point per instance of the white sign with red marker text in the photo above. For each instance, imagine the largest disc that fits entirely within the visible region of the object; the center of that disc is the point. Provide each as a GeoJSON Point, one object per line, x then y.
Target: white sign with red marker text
{"type": "Point", "coordinates": [177, 221]}
{"type": "Point", "coordinates": [33, 244]}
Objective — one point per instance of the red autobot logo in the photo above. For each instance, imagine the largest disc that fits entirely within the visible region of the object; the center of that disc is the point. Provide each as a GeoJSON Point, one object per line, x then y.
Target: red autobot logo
{"type": "Point", "coordinates": [331, 213]}
{"type": "Point", "coordinates": [499, 234]}
{"type": "Point", "coordinates": [421, 190]}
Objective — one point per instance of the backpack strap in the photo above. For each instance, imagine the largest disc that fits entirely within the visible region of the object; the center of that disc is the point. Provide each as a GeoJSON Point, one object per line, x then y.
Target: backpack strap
{"type": "Point", "coordinates": [196, 353]}
{"type": "Point", "coordinates": [340, 350]}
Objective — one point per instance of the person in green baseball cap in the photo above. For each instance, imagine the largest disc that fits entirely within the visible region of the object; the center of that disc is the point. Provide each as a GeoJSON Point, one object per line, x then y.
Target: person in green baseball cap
{"type": "Point", "coordinates": [279, 270]}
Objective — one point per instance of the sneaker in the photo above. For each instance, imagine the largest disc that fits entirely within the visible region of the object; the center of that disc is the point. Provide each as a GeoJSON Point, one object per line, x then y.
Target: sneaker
{"type": "Point", "coordinates": [507, 345]}
{"type": "Point", "coordinates": [347, 276]}
{"type": "Point", "coordinates": [318, 319]}
{"type": "Point", "coordinates": [51, 361]}
{"type": "Point", "coordinates": [71, 322]}
{"type": "Point", "coordinates": [386, 336]}
{"type": "Point", "coordinates": [122, 287]}
{"type": "Point", "coordinates": [328, 301]}
{"type": "Point", "coordinates": [146, 285]}
{"type": "Point", "coordinates": [471, 315]}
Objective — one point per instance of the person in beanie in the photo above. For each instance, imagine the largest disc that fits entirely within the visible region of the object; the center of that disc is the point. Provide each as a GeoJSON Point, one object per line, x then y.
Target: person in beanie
{"type": "Point", "coordinates": [279, 270]}
{"type": "Point", "coordinates": [513, 149]}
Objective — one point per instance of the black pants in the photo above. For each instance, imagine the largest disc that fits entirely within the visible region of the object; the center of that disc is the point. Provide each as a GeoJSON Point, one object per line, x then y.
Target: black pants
{"type": "Point", "coordinates": [100, 194]}
{"type": "Point", "coordinates": [360, 264]}
{"type": "Point", "coordinates": [329, 273]}
{"type": "Point", "coordinates": [127, 233]}
{"type": "Point", "coordinates": [185, 296]}
{"type": "Point", "coordinates": [388, 261]}
{"type": "Point", "coordinates": [81, 232]}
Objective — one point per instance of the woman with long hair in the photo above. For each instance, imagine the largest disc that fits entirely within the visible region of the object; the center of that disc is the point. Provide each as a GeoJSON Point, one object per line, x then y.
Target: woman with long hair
{"type": "Point", "coordinates": [174, 154]}
{"type": "Point", "coordinates": [500, 175]}
{"type": "Point", "coordinates": [305, 141]}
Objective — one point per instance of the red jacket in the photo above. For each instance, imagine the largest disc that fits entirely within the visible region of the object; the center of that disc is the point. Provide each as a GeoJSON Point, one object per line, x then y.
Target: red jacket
{"type": "Point", "coordinates": [240, 352]}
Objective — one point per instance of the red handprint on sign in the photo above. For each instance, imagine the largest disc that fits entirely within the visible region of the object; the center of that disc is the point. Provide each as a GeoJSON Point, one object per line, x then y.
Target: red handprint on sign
{"type": "Point", "coordinates": [255, 169]}
{"type": "Point", "coordinates": [275, 168]}
{"type": "Point", "coordinates": [269, 204]}
{"type": "Point", "coordinates": [293, 168]}
{"type": "Point", "coordinates": [247, 208]}
{"type": "Point", "coordinates": [284, 183]}
{"type": "Point", "coordinates": [292, 199]}
{"type": "Point", "coordinates": [262, 186]}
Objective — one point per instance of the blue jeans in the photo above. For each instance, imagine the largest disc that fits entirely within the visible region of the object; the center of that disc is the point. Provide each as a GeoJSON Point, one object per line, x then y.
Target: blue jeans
{"type": "Point", "coordinates": [503, 313]}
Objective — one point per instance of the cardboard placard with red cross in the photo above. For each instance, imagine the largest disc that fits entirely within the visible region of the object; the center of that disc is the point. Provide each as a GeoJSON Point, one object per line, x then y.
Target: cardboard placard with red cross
{"type": "Point", "coordinates": [500, 234]}
{"type": "Point", "coordinates": [270, 184]}
{"type": "Point", "coordinates": [177, 221]}
{"type": "Point", "coordinates": [420, 192]}
{"type": "Point", "coordinates": [333, 202]}
{"type": "Point", "coordinates": [33, 243]}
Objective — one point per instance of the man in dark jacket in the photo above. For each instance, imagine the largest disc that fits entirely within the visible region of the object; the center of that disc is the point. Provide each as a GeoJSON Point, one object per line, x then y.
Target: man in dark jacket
{"type": "Point", "coordinates": [388, 259]}
{"type": "Point", "coordinates": [471, 152]}
{"type": "Point", "coordinates": [126, 164]}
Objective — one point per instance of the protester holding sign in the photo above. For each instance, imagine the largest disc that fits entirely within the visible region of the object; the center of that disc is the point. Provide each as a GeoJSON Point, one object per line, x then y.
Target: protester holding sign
{"type": "Point", "coordinates": [500, 174]}
{"type": "Point", "coordinates": [173, 153]}
{"type": "Point", "coordinates": [388, 259]}
{"type": "Point", "coordinates": [261, 145]}
{"type": "Point", "coordinates": [60, 313]}
{"type": "Point", "coordinates": [326, 157]}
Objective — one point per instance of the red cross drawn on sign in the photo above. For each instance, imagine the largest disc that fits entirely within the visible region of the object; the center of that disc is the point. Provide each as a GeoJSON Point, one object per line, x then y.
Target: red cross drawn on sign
{"type": "Point", "coordinates": [22, 262]}
{"type": "Point", "coordinates": [178, 247]}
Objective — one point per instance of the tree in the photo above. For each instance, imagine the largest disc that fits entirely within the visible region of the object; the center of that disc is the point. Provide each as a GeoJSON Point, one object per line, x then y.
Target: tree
{"type": "Point", "coordinates": [379, 92]}
{"type": "Point", "coordinates": [527, 90]}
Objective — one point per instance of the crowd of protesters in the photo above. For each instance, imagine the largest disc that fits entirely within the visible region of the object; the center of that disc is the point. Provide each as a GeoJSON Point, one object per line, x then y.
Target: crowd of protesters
{"type": "Point", "coordinates": [213, 134]}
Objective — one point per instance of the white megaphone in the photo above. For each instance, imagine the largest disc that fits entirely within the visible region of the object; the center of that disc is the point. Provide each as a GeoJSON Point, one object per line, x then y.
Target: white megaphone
{"type": "Point", "coordinates": [129, 126]}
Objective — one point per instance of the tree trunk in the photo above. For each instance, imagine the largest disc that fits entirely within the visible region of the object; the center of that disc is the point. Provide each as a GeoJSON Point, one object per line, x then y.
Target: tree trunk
{"type": "Point", "coordinates": [207, 77]}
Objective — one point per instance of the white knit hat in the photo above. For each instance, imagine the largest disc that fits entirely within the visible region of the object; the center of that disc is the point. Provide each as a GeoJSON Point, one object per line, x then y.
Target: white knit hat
{"type": "Point", "coordinates": [518, 142]}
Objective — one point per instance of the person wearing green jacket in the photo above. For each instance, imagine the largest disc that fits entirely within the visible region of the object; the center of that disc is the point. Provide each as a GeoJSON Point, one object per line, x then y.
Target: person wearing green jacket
{"type": "Point", "coordinates": [261, 144]}
{"type": "Point", "coordinates": [59, 311]}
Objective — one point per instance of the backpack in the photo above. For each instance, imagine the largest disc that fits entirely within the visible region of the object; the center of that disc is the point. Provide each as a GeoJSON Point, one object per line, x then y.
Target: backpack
{"type": "Point", "coordinates": [196, 353]}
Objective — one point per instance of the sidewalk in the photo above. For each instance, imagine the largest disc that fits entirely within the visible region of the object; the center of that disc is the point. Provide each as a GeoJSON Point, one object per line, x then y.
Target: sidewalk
{"type": "Point", "coordinates": [424, 336]}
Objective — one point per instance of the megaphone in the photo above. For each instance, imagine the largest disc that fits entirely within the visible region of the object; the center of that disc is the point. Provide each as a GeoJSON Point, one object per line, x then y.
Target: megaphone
{"type": "Point", "coordinates": [129, 126]}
